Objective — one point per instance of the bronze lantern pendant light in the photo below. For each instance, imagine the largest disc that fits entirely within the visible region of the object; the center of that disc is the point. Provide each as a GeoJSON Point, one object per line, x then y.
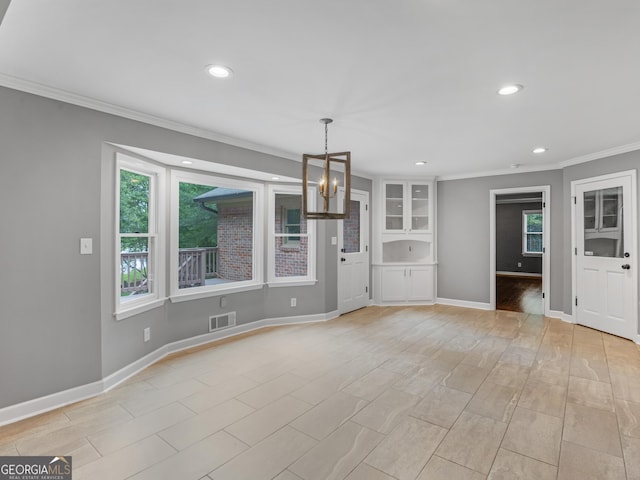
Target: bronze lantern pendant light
{"type": "Point", "coordinates": [333, 171]}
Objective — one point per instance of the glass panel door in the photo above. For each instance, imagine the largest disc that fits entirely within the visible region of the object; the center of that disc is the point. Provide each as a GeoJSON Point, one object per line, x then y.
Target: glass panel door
{"type": "Point", "coordinates": [603, 223]}
{"type": "Point", "coordinates": [351, 229]}
{"type": "Point", "coordinates": [419, 207]}
{"type": "Point", "coordinates": [394, 206]}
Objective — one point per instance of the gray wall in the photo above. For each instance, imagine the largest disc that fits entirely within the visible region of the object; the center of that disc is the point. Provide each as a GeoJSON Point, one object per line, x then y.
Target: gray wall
{"type": "Point", "coordinates": [463, 234]}
{"type": "Point", "coordinates": [509, 239]}
{"type": "Point", "coordinates": [56, 186]}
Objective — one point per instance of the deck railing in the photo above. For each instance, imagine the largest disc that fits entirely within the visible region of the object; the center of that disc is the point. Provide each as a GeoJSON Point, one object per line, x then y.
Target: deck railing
{"type": "Point", "coordinates": [195, 266]}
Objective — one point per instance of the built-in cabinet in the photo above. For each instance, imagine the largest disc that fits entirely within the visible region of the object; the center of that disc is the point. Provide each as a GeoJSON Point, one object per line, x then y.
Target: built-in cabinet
{"type": "Point", "coordinates": [404, 248]}
{"type": "Point", "coordinates": [406, 207]}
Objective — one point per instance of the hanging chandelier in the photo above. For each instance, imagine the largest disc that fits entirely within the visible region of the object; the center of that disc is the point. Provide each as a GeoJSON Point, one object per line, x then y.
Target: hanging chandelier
{"type": "Point", "coordinates": [332, 173]}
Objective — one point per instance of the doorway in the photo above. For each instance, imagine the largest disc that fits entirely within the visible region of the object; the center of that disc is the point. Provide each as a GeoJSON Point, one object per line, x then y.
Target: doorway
{"type": "Point", "coordinates": [353, 255]}
{"type": "Point", "coordinates": [604, 238]}
{"type": "Point", "coordinates": [519, 249]}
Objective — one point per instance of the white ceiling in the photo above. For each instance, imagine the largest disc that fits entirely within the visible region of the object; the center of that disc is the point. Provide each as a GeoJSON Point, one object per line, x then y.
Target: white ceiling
{"type": "Point", "coordinates": [404, 80]}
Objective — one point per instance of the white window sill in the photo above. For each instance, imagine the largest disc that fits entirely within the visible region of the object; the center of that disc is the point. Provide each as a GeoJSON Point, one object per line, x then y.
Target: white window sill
{"type": "Point", "coordinates": [195, 295]}
{"type": "Point", "coordinates": [138, 309]}
{"type": "Point", "coordinates": [291, 283]}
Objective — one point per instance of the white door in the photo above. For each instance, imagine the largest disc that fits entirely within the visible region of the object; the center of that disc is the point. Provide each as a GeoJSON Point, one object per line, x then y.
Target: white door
{"type": "Point", "coordinates": [606, 255]}
{"type": "Point", "coordinates": [353, 255]}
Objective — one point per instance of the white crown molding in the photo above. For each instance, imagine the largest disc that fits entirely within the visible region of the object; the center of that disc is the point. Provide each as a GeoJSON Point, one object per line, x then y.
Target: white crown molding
{"type": "Point", "coordinates": [113, 109]}
{"type": "Point", "coordinates": [504, 171]}
{"type": "Point", "coordinates": [105, 107]}
{"type": "Point", "coordinates": [630, 147]}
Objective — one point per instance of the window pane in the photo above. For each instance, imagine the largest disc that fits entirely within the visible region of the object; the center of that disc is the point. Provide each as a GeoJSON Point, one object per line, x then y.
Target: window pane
{"type": "Point", "coordinates": [134, 202]}
{"type": "Point", "coordinates": [534, 243]}
{"type": "Point", "coordinates": [288, 218]}
{"type": "Point", "coordinates": [534, 222]}
{"type": "Point", "coordinates": [291, 256]}
{"type": "Point", "coordinates": [351, 229]}
{"type": "Point", "coordinates": [603, 223]}
{"type": "Point", "coordinates": [134, 268]}
{"type": "Point", "coordinates": [215, 235]}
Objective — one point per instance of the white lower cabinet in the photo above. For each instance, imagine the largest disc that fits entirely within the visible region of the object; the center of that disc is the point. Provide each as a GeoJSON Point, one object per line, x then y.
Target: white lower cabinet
{"type": "Point", "coordinates": [406, 283]}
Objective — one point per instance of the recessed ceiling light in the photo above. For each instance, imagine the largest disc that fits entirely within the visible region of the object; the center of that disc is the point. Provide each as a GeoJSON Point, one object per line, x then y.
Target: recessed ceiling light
{"type": "Point", "coordinates": [510, 89]}
{"type": "Point", "coordinates": [539, 150]}
{"type": "Point", "coordinates": [219, 71]}
{"type": "Point", "coordinates": [421, 163]}
{"type": "Point", "coordinates": [186, 162]}
{"type": "Point", "coordinates": [275, 178]}
{"type": "Point", "coordinates": [515, 165]}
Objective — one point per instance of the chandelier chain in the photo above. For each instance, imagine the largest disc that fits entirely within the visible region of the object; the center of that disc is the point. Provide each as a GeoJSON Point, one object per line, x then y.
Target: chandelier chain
{"type": "Point", "coordinates": [326, 132]}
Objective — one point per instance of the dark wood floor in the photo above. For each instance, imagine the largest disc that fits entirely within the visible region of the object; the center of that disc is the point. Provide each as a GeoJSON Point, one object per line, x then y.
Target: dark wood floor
{"type": "Point", "coordinates": [519, 294]}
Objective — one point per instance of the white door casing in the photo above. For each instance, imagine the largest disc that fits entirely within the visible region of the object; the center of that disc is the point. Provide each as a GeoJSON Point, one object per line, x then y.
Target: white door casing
{"type": "Point", "coordinates": [353, 254]}
{"type": "Point", "coordinates": [605, 265]}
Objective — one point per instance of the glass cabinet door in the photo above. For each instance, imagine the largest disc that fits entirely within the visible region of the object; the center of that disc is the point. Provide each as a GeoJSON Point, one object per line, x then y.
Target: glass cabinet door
{"type": "Point", "coordinates": [394, 207]}
{"type": "Point", "coordinates": [419, 206]}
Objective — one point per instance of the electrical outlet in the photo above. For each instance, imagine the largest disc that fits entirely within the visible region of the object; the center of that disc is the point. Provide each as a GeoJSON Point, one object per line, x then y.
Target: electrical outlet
{"type": "Point", "coordinates": [147, 334]}
{"type": "Point", "coordinates": [293, 302]}
{"type": "Point", "coordinates": [519, 264]}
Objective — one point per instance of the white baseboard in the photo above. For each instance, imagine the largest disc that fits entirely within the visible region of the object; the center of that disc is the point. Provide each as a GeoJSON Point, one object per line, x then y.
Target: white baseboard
{"type": "Point", "coordinates": [30, 408]}
{"type": "Point", "coordinates": [560, 315]}
{"type": "Point", "coordinates": [463, 303]}
{"type": "Point", "coordinates": [519, 274]}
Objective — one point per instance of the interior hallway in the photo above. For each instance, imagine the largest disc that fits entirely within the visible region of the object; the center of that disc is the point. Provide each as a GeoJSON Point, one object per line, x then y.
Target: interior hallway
{"type": "Point", "coordinates": [382, 393]}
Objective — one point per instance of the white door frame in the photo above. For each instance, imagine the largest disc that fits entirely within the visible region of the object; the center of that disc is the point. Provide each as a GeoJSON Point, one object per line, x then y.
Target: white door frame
{"type": "Point", "coordinates": [364, 228]}
{"type": "Point", "coordinates": [634, 239]}
{"type": "Point", "coordinates": [546, 240]}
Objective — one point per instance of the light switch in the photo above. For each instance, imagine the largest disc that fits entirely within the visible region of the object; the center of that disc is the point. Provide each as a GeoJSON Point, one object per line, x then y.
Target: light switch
{"type": "Point", "coordinates": [334, 240]}
{"type": "Point", "coordinates": [86, 246]}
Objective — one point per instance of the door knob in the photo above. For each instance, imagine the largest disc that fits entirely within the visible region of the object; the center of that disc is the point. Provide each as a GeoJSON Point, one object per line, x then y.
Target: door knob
{"type": "Point", "coordinates": [626, 266]}
{"type": "Point", "coordinates": [627, 254]}
{"type": "Point", "coordinates": [344, 260]}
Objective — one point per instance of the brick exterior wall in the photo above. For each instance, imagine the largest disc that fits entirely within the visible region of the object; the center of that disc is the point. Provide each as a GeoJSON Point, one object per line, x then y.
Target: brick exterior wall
{"type": "Point", "coordinates": [235, 241]}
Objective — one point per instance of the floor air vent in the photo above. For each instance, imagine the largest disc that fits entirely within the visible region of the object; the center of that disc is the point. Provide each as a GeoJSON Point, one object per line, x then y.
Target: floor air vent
{"type": "Point", "coordinates": [225, 320]}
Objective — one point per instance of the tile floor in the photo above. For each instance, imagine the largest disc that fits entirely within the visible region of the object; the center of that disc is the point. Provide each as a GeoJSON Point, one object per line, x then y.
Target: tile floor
{"type": "Point", "coordinates": [383, 393]}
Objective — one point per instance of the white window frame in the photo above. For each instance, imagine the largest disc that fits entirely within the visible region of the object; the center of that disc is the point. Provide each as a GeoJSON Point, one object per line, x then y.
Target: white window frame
{"type": "Point", "coordinates": [157, 182]}
{"type": "Point", "coordinates": [525, 252]}
{"type": "Point", "coordinates": [181, 295]}
{"type": "Point", "coordinates": [310, 277]}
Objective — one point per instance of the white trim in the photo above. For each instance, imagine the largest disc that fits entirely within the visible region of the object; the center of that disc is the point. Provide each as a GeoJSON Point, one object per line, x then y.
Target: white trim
{"type": "Point", "coordinates": [518, 274]}
{"type": "Point", "coordinates": [30, 408]}
{"type": "Point", "coordinates": [310, 278]}
{"type": "Point", "coordinates": [546, 263]}
{"type": "Point", "coordinates": [156, 229]}
{"type": "Point", "coordinates": [492, 173]}
{"type": "Point", "coordinates": [122, 314]}
{"type": "Point", "coordinates": [128, 371]}
{"type": "Point", "coordinates": [560, 316]}
{"type": "Point", "coordinates": [291, 283]}
{"type": "Point", "coordinates": [630, 147]}
{"type": "Point", "coordinates": [197, 293]}
{"type": "Point", "coordinates": [110, 108]}
{"type": "Point", "coordinates": [257, 189]}
{"type": "Point", "coordinates": [105, 107]}
{"type": "Point", "coordinates": [463, 303]}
